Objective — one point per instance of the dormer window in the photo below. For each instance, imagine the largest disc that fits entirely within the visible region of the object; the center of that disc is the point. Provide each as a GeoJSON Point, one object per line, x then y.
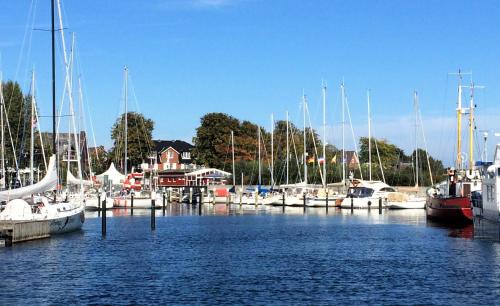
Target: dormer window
{"type": "Point", "coordinates": [186, 155]}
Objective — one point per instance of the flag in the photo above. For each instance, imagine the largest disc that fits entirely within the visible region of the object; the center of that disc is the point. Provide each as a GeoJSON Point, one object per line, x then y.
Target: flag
{"type": "Point", "coordinates": [321, 160]}
{"type": "Point", "coordinates": [334, 159]}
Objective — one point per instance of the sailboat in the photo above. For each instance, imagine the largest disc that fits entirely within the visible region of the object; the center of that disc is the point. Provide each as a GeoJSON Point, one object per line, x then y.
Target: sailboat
{"type": "Point", "coordinates": [28, 203]}
{"type": "Point", "coordinates": [367, 193]}
{"type": "Point", "coordinates": [293, 194]}
{"type": "Point", "coordinates": [133, 185]}
{"type": "Point", "coordinates": [450, 201]}
{"type": "Point", "coordinates": [399, 200]}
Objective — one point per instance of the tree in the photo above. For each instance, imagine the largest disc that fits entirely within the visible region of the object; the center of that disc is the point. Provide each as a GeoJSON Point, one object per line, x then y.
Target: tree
{"type": "Point", "coordinates": [139, 140]}
{"type": "Point", "coordinates": [17, 108]}
{"type": "Point", "coordinates": [100, 159]}
{"type": "Point", "coordinates": [212, 139]}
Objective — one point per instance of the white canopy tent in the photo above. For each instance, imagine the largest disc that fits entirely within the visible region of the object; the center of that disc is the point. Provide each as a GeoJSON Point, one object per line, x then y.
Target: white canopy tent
{"type": "Point", "coordinates": [113, 175]}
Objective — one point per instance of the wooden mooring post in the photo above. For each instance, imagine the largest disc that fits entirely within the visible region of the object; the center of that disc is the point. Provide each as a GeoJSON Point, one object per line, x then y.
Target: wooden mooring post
{"type": "Point", "coordinates": [103, 219]}
{"type": "Point", "coordinates": [304, 202]}
{"type": "Point", "coordinates": [283, 201]}
{"type": "Point", "coordinates": [98, 204]}
{"type": "Point", "coordinates": [132, 203]}
{"type": "Point", "coordinates": [327, 201]}
{"type": "Point", "coordinates": [164, 200]}
{"type": "Point", "coordinates": [153, 220]}
{"type": "Point", "coordinates": [380, 206]}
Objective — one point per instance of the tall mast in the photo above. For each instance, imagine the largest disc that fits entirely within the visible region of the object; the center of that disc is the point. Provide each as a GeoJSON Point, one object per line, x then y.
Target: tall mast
{"type": "Point", "coordinates": [324, 135]}
{"type": "Point", "coordinates": [32, 125]}
{"type": "Point", "coordinates": [343, 134]}
{"type": "Point", "coordinates": [2, 139]}
{"type": "Point", "coordinates": [260, 169]}
{"type": "Point", "coordinates": [126, 115]}
{"type": "Point", "coordinates": [415, 104]}
{"type": "Point", "coordinates": [459, 122]}
{"type": "Point", "coordinates": [272, 150]}
{"type": "Point", "coordinates": [232, 148]}
{"type": "Point", "coordinates": [369, 137]}
{"type": "Point", "coordinates": [287, 149]}
{"type": "Point", "coordinates": [471, 127]}
{"type": "Point", "coordinates": [54, 149]}
{"type": "Point", "coordinates": [305, 152]}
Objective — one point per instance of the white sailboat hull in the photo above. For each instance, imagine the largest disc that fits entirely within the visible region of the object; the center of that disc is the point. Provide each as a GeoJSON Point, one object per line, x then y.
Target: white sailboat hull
{"type": "Point", "coordinates": [139, 203]}
{"type": "Point", "coordinates": [410, 204]}
{"type": "Point", "coordinates": [73, 221]}
{"type": "Point", "coordinates": [63, 217]}
{"type": "Point", "coordinates": [92, 204]}
{"type": "Point", "coordinates": [321, 201]}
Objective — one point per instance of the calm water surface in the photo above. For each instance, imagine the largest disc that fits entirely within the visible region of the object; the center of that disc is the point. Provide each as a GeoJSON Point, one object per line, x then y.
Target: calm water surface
{"type": "Point", "coordinates": [255, 256]}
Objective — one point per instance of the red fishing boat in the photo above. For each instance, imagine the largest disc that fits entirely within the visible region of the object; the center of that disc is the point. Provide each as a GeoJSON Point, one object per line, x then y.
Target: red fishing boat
{"type": "Point", "coordinates": [451, 210]}
{"type": "Point", "coordinates": [450, 202]}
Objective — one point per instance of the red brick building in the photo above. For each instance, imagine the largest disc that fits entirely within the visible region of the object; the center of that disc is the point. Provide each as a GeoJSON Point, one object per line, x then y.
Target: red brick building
{"type": "Point", "coordinates": [173, 160]}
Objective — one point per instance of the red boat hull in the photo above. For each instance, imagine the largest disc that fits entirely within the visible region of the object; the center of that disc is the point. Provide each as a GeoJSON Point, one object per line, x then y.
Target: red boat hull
{"type": "Point", "coordinates": [451, 210]}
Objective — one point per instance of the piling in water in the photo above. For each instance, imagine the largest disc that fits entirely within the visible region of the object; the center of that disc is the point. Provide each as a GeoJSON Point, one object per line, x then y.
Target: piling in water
{"type": "Point", "coordinates": [164, 199]}
{"type": "Point", "coordinates": [327, 201]}
{"type": "Point", "coordinates": [153, 221]}
{"type": "Point", "coordinates": [132, 203]}
{"type": "Point", "coordinates": [283, 201]}
{"type": "Point", "coordinates": [98, 204]}
{"type": "Point", "coordinates": [352, 204]}
{"type": "Point", "coordinates": [103, 219]}
{"type": "Point", "coordinates": [380, 206]}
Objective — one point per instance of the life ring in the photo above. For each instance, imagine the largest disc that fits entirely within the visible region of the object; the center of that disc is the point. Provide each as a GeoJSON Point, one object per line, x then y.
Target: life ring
{"type": "Point", "coordinates": [470, 174]}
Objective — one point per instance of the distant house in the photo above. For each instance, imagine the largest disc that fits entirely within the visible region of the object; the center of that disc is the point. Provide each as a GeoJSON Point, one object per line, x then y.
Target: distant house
{"type": "Point", "coordinates": [174, 155]}
{"type": "Point", "coordinates": [351, 159]}
{"type": "Point", "coordinates": [173, 161]}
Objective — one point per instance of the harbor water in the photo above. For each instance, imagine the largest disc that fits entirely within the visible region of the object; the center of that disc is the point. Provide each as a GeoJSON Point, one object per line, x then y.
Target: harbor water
{"type": "Point", "coordinates": [255, 255]}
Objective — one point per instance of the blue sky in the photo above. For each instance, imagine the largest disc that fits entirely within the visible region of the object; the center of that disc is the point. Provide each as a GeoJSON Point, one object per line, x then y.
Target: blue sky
{"type": "Point", "coordinates": [251, 58]}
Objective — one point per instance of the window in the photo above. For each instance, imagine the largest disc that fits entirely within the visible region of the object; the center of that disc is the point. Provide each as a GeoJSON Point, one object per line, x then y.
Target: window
{"type": "Point", "coordinates": [186, 155]}
{"type": "Point", "coordinates": [388, 189]}
{"type": "Point", "coordinates": [170, 154]}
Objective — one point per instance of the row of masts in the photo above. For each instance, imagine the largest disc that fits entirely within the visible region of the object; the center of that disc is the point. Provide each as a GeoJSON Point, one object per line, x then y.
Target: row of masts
{"type": "Point", "coordinates": [418, 120]}
{"type": "Point", "coordinates": [323, 172]}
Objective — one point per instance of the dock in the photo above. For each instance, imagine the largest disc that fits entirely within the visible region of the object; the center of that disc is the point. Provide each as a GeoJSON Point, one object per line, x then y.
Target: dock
{"type": "Point", "coordinates": [18, 231]}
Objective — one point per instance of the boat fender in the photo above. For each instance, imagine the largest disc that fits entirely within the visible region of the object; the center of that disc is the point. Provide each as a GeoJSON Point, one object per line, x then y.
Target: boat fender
{"type": "Point", "coordinates": [470, 174]}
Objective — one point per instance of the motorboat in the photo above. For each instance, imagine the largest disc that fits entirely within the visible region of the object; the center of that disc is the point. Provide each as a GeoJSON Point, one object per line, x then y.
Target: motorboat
{"type": "Point", "coordinates": [366, 194]}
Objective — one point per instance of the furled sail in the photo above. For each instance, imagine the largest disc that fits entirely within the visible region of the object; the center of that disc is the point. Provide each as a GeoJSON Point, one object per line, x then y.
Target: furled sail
{"type": "Point", "coordinates": [72, 180]}
{"type": "Point", "coordinates": [49, 182]}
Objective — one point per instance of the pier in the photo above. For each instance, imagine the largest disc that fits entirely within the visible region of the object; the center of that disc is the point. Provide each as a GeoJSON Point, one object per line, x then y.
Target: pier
{"type": "Point", "coordinates": [18, 231]}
